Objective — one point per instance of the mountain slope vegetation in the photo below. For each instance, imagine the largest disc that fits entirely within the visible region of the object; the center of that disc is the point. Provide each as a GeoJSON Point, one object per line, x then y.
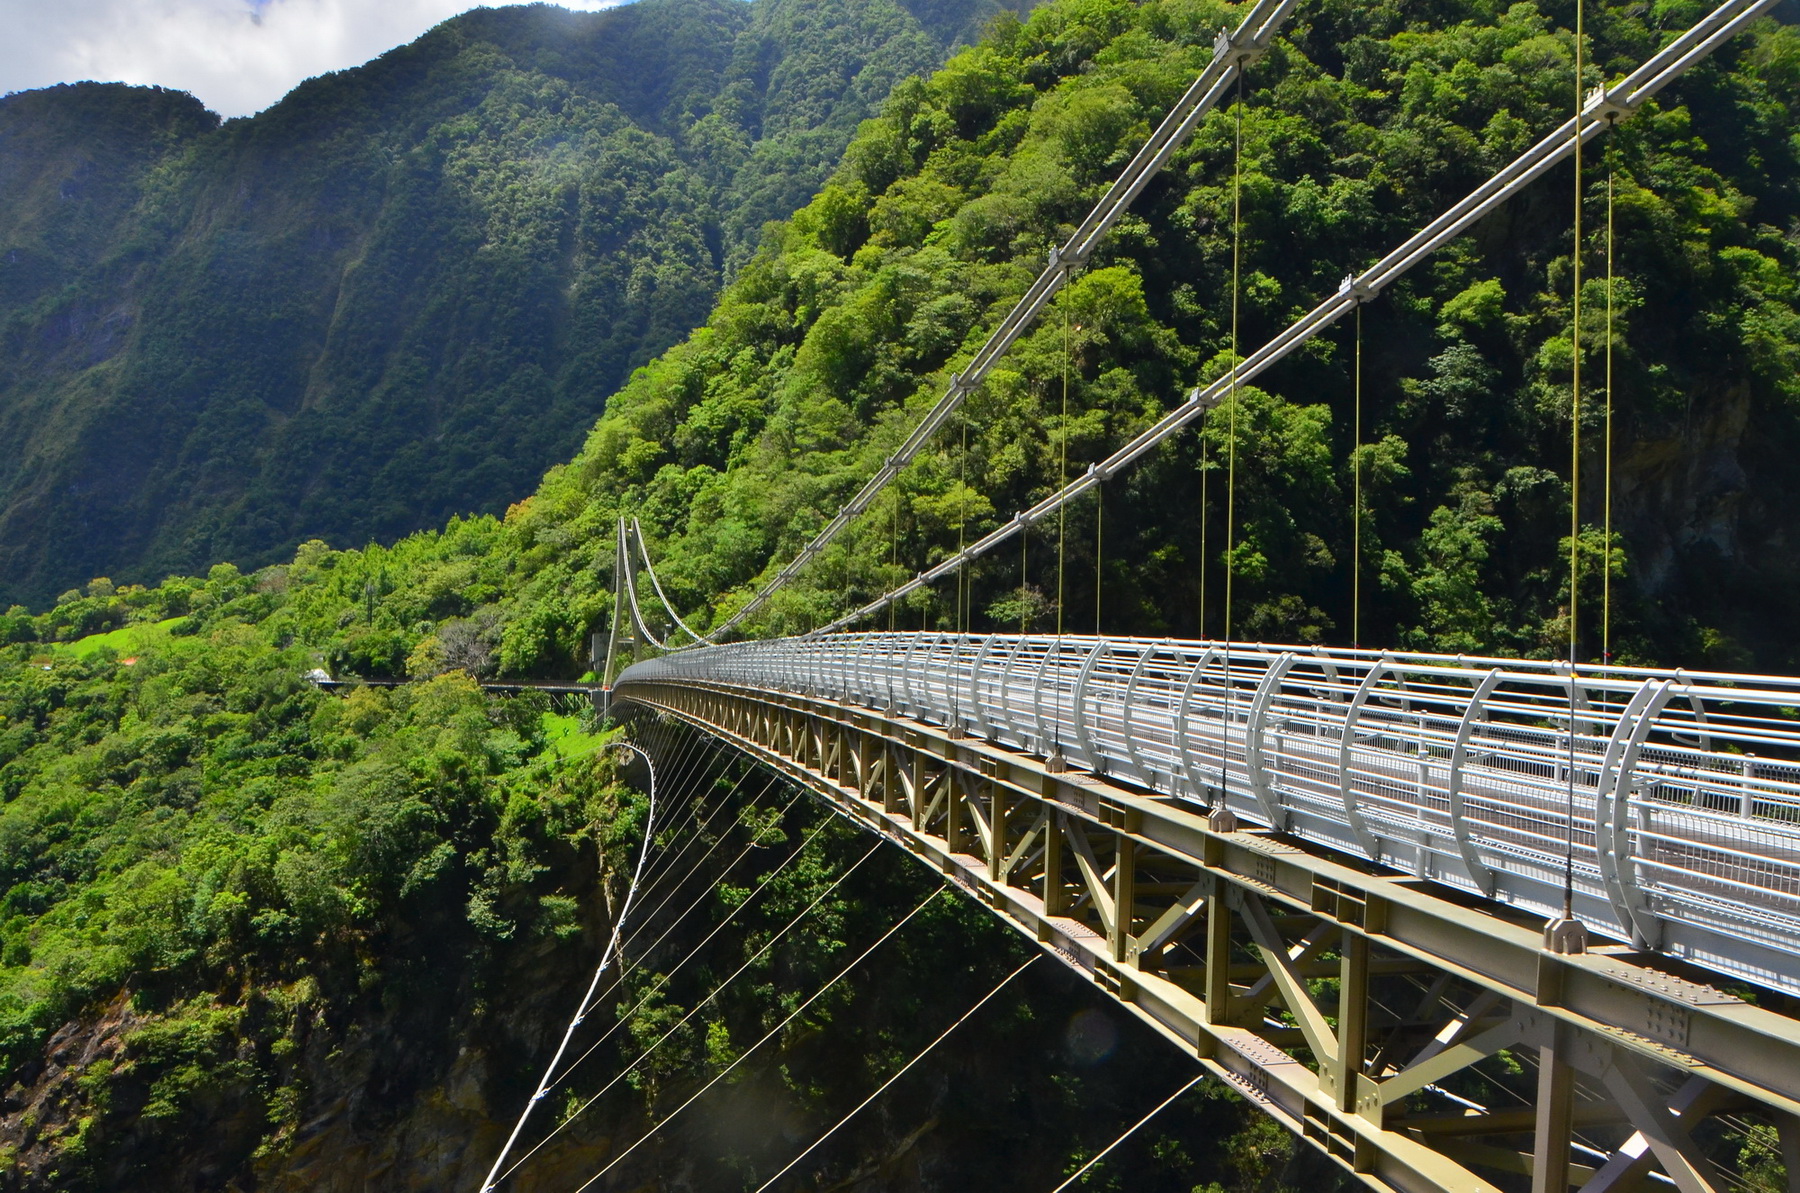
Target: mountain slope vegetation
{"type": "Point", "coordinates": [737, 445]}
{"type": "Point", "coordinates": [403, 291]}
{"type": "Point", "coordinates": [230, 885]}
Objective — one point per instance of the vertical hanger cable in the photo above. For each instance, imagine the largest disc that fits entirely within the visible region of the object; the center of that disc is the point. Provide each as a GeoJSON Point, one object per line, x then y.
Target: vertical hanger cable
{"type": "Point", "coordinates": [1574, 474]}
{"type": "Point", "coordinates": [1357, 504]}
{"type": "Point", "coordinates": [1062, 476]}
{"type": "Point", "coordinates": [1231, 428]}
{"type": "Point", "coordinates": [1607, 481]}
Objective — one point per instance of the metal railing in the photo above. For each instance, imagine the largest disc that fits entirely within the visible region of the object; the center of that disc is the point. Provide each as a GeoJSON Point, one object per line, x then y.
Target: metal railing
{"type": "Point", "coordinates": [1673, 796]}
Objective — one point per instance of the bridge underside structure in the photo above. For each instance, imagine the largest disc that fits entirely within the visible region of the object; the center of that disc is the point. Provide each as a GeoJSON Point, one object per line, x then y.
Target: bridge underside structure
{"type": "Point", "coordinates": [1417, 1032]}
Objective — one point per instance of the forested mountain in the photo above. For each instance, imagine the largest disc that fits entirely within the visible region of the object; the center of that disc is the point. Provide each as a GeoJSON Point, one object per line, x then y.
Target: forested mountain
{"type": "Point", "coordinates": [736, 446]}
{"type": "Point", "coordinates": [250, 928]}
{"type": "Point", "coordinates": [406, 289]}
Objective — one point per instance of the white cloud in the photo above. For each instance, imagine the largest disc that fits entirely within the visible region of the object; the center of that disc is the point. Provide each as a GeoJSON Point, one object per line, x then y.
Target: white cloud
{"type": "Point", "coordinates": [238, 56]}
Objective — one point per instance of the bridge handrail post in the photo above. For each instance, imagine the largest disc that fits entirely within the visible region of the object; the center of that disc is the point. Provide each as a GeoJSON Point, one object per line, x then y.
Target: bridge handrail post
{"type": "Point", "coordinates": [854, 689]}
{"type": "Point", "coordinates": [1475, 712]}
{"type": "Point", "coordinates": [1139, 771]}
{"type": "Point", "coordinates": [1260, 786]}
{"type": "Point", "coordinates": [1613, 849]}
{"type": "Point", "coordinates": [922, 703]}
{"type": "Point", "coordinates": [1005, 706]}
{"type": "Point", "coordinates": [935, 668]}
{"type": "Point", "coordinates": [1078, 711]}
{"type": "Point", "coordinates": [976, 711]}
{"type": "Point", "coordinates": [956, 684]}
{"type": "Point", "coordinates": [1346, 747]}
{"type": "Point", "coordinates": [906, 696]}
{"type": "Point", "coordinates": [884, 659]}
{"type": "Point", "coordinates": [1051, 647]}
{"type": "Point", "coordinates": [1184, 745]}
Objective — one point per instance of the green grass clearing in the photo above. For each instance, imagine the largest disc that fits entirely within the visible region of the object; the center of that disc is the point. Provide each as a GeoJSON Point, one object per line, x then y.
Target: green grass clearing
{"type": "Point", "coordinates": [566, 738]}
{"type": "Point", "coordinates": [131, 640]}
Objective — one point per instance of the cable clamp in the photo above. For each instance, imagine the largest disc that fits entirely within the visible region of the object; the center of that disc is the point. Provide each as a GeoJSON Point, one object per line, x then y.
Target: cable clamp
{"type": "Point", "coordinates": [1198, 396]}
{"type": "Point", "coordinates": [1355, 289]}
{"type": "Point", "coordinates": [1610, 106]}
{"type": "Point", "coordinates": [1233, 53]}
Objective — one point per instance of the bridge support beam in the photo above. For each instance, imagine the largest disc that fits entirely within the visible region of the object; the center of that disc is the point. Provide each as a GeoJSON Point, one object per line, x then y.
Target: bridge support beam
{"type": "Point", "coordinates": [1555, 1114]}
{"type": "Point", "coordinates": [1363, 1009]}
{"type": "Point", "coordinates": [1124, 895]}
{"type": "Point", "coordinates": [1352, 1020]}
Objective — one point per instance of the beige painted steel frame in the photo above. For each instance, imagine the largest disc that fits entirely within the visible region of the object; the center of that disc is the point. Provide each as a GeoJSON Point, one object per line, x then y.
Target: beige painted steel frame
{"type": "Point", "coordinates": [1109, 878]}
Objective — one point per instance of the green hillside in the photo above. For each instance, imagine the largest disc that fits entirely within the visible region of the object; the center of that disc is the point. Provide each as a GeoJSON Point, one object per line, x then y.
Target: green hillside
{"type": "Point", "coordinates": [403, 291]}
{"type": "Point", "coordinates": [298, 926]}
{"type": "Point", "coordinates": [737, 445]}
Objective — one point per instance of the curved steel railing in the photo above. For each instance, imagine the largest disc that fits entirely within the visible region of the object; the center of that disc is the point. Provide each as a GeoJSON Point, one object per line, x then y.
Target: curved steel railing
{"type": "Point", "coordinates": [1676, 793]}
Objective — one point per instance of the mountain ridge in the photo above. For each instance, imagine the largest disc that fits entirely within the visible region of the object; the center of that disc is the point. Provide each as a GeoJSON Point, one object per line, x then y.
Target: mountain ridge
{"type": "Point", "coordinates": [405, 289]}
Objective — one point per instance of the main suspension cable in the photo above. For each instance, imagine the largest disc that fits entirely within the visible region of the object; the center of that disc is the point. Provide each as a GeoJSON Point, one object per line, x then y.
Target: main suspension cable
{"type": "Point", "coordinates": [606, 958]}
{"type": "Point", "coordinates": [644, 553]}
{"type": "Point", "coordinates": [1130, 1131]}
{"type": "Point", "coordinates": [1655, 73]}
{"type": "Point", "coordinates": [771, 1034]}
{"type": "Point", "coordinates": [900, 1072]}
{"type": "Point", "coordinates": [1231, 53]}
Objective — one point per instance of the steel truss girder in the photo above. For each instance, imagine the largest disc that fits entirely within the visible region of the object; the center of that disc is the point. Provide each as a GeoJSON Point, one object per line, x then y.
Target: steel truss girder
{"type": "Point", "coordinates": [992, 820]}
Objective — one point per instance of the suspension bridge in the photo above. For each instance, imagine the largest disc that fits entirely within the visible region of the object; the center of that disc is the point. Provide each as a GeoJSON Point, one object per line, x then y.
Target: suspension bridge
{"type": "Point", "coordinates": [1351, 883]}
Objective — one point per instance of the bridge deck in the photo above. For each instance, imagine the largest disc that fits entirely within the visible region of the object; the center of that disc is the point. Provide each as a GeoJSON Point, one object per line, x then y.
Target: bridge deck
{"type": "Point", "coordinates": [1674, 800]}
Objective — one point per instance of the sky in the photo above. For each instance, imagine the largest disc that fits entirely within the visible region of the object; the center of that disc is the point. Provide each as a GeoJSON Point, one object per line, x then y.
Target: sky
{"type": "Point", "coordinates": [238, 56]}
